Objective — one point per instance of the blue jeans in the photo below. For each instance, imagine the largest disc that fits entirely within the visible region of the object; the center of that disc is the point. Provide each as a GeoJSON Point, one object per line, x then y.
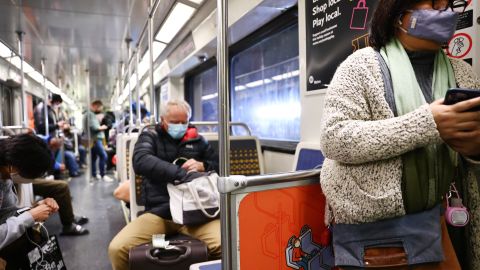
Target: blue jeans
{"type": "Point", "coordinates": [303, 263]}
{"type": "Point", "coordinates": [82, 153]}
{"type": "Point", "coordinates": [71, 162]}
{"type": "Point", "coordinates": [98, 151]}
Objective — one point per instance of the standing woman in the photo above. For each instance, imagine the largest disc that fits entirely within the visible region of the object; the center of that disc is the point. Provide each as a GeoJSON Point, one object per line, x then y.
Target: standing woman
{"type": "Point", "coordinates": [392, 147]}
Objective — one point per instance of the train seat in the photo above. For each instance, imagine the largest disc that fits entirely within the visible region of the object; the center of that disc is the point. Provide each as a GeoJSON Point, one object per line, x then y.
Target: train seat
{"type": "Point", "coordinates": [308, 156]}
{"type": "Point", "coordinates": [25, 195]}
{"type": "Point", "coordinates": [137, 205]}
{"type": "Point", "coordinates": [245, 154]}
{"type": "Point", "coordinates": [210, 265]}
{"type": "Point", "coordinates": [123, 154]}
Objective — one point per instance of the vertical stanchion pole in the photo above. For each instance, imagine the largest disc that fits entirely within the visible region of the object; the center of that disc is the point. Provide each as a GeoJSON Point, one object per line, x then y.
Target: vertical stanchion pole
{"type": "Point", "coordinates": [153, 107]}
{"type": "Point", "coordinates": [87, 128]}
{"type": "Point", "coordinates": [137, 88]}
{"type": "Point", "coordinates": [22, 78]}
{"type": "Point", "coordinates": [224, 128]}
{"type": "Point", "coordinates": [45, 98]}
{"type": "Point", "coordinates": [129, 75]}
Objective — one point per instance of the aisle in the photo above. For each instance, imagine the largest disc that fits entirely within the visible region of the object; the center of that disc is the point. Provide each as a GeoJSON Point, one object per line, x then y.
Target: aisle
{"type": "Point", "coordinates": [97, 203]}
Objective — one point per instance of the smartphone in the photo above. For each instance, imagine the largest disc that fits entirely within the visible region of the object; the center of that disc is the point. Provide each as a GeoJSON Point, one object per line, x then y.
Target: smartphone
{"type": "Point", "coordinates": [455, 95]}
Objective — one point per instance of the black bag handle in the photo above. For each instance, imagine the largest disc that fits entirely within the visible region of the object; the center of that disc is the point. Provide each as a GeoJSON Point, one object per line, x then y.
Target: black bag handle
{"type": "Point", "coordinates": [172, 255]}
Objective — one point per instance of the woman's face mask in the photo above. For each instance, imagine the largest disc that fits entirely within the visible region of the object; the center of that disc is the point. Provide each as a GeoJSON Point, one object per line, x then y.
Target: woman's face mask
{"type": "Point", "coordinates": [431, 24]}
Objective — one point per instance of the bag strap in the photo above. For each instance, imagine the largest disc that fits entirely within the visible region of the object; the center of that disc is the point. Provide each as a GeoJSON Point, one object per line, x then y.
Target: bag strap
{"type": "Point", "coordinates": [387, 80]}
{"type": "Point", "coordinates": [197, 198]}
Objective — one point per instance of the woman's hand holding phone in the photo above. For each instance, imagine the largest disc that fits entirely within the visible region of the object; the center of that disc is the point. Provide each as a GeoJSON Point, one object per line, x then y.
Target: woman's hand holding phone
{"type": "Point", "coordinates": [458, 125]}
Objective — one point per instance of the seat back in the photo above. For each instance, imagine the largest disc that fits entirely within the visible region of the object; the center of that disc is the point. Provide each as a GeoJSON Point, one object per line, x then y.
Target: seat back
{"type": "Point", "coordinates": [245, 154]}
{"type": "Point", "coordinates": [308, 156]}
{"type": "Point", "coordinates": [25, 195]}
{"type": "Point", "coordinates": [136, 203]}
{"type": "Point", "coordinates": [123, 155]}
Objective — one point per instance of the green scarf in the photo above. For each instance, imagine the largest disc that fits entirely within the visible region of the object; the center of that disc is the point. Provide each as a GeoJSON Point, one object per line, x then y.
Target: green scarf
{"type": "Point", "coordinates": [427, 172]}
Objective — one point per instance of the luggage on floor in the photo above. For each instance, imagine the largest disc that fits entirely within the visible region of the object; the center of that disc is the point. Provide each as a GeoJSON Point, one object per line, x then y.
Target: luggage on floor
{"type": "Point", "coordinates": [182, 252]}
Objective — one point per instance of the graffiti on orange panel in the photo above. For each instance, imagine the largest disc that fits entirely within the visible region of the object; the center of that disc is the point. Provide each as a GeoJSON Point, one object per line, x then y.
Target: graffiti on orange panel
{"type": "Point", "coordinates": [270, 222]}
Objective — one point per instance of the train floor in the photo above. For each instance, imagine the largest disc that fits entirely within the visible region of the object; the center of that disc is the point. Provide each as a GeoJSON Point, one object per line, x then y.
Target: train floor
{"type": "Point", "coordinates": [94, 200]}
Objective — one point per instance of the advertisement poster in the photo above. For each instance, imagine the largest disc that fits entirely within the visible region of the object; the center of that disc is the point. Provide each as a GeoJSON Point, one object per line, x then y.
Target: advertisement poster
{"type": "Point", "coordinates": [335, 29]}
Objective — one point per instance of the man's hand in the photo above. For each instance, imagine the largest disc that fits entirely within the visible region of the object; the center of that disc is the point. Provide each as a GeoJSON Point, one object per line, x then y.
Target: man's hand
{"type": "Point", "coordinates": [103, 127]}
{"type": "Point", "coordinates": [193, 165]}
{"type": "Point", "coordinates": [459, 128]}
{"type": "Point", "coordinates": [40, 213]}
{"type": "Point", "coordinates": [50, 202]}
{"type": "Point", "coordinates": [62, 167]}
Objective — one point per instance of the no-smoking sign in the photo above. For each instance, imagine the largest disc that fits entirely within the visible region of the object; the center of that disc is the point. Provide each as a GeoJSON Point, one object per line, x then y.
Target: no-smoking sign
{"type": "Point", "coordinates": [460, 45]}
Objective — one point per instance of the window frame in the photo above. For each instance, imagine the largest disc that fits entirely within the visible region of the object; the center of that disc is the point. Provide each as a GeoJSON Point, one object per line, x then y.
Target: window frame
{"type": "Point", "coordinates": [285, 20]}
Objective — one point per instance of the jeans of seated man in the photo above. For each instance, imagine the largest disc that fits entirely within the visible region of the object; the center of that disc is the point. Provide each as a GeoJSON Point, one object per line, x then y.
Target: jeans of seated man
{"type": "Point", "coordinates": [98, 151]}
{"type": "Point", "coordinates": [82, 154]}
{"type": "Point", "coordinates": [71, 163]}
{"type": "Point", "coordinates": [140, 231]}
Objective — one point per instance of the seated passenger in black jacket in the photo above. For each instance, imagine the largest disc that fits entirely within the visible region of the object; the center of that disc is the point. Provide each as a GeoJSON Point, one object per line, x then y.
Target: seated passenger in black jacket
{"type": "Point", "coordinates": [152, 158]}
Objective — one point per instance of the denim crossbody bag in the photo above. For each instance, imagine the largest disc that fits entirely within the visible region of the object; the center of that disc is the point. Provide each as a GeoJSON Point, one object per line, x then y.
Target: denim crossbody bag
{"type": "Point", "coordinates": [408, 240]}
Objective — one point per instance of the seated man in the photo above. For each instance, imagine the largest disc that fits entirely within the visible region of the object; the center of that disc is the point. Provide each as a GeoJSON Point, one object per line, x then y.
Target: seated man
{"type": "Point", "coordinates": [152, 158]}
{"type": "Point", "coordinates": [21, 156]}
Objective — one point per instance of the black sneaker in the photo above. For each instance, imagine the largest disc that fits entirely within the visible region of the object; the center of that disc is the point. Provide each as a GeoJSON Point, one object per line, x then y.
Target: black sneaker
{"type": "Point", "coordinates": [74, 229]}
{"type": "Point", "coordinates": [80, 220]}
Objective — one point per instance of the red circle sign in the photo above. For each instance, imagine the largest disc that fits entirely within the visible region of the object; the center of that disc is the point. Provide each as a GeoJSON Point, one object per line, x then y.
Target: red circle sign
{"type": "Point", "coordinates": [459, 45]}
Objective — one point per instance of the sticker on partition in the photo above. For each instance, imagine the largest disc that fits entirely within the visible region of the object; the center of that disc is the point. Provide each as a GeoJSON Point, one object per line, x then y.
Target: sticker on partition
{"type": "Point", "coordinates": [304, 252]}
{"type": "Point", "coordinates": [460, 45]}
{"type": "Point", "coordinates": [465, 20]}
{"type": "Point", "coordinates": [359, 16]}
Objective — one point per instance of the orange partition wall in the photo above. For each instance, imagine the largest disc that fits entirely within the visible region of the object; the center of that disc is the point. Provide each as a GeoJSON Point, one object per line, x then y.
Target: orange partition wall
{"type": "Point", "coordinates": [270, 221]}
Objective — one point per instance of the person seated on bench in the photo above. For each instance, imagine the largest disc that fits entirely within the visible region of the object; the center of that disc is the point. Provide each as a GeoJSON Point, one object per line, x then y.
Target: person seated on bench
{"type": "Point", "coordinates": [152, 158]}
{"type": "Point", "coordinates": [22, 157]}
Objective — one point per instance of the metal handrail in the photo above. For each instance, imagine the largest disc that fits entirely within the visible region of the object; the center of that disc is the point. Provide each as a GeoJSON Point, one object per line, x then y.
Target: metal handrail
{"type": "Point", "coordinates": [17, 127]}
{"type": "Point", "coordinates": [235, 182]}
{"type": "Point", "coordinates": [213, 123]}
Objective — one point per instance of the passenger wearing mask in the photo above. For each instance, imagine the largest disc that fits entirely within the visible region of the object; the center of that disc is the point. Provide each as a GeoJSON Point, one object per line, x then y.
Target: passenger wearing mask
{"type": "Point", "coordinates": [97, 137]}
{"type": "Point", "coordinates": [383, 146]}
{"type": "Point", "coordinates": [152, 158]}
{"type": "Point", "coordinates": [22, 157]}
{"type": "Point", "coordinates": [53, 121]}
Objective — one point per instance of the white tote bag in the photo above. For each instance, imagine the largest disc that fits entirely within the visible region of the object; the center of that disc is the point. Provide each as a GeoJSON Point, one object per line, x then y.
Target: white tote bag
{"type": "Point", "coordinates": [195, 202]}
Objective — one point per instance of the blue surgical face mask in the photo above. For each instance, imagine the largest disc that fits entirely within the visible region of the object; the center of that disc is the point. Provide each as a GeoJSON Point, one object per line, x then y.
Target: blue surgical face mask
{"type": "Point", "coordinates": [435, 25]}
{"type": "Point", "coordinates": [177, 131]}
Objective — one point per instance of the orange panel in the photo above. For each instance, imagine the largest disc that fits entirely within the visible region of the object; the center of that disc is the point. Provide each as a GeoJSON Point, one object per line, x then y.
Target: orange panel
{"type": "Point", "coordinates": [268, 220]}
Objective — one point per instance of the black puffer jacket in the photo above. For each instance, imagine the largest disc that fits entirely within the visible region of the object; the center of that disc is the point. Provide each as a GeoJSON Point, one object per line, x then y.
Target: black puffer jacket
{"type": "Point", "coordinates": [152, 158]}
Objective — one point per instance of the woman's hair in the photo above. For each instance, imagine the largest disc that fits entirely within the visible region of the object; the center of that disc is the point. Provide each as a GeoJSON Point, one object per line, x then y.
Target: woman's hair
{"type": "Point", "coordinates": [385, 18]}
{"type": "Point", "coordinates": [27, 153]}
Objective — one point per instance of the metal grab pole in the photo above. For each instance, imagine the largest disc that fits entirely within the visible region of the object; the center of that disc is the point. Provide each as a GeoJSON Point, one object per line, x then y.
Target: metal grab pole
{"type": "Point", "coordinates": [153, 108]}
{"type": "Point", "coordinates": [129, 75]}
{"type": "Point", "coordinates": [137, 88]}
{"type": "Point", "coordinates": [45, 99]}
{"type": "Point", "coordinates": [224, 129]}
{"type": "Point", "coordinates": [22, 78]}
{"type": "Point", "coordinates": [89, 175]}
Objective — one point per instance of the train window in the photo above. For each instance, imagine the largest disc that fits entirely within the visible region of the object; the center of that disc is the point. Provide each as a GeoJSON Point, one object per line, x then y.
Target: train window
{"type": "Point", "coordinates": [265, 91]}
{"type": "Point", "coordinates": [7, 105]}
{"type": "Point", "coordinates": [202, 92]}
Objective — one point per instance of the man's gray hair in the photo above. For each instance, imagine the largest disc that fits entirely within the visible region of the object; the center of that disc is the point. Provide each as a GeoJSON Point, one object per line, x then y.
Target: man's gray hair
{"type": "Point", "coordinates": [182, 104]}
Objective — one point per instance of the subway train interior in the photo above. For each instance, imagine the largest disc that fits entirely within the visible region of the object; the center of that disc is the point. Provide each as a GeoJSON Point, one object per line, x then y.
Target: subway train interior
{"type": "Point", "coordinates": [239, 106]}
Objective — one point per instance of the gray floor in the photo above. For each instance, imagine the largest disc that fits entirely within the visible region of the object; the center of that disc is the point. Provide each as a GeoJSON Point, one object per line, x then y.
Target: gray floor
{"type": "Point", "coordinates": [95, 201]}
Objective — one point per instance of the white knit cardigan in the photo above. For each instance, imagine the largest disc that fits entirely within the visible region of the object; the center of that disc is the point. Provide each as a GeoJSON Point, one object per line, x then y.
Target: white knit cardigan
{"type": "Point", "coordinates": [363, 142]}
